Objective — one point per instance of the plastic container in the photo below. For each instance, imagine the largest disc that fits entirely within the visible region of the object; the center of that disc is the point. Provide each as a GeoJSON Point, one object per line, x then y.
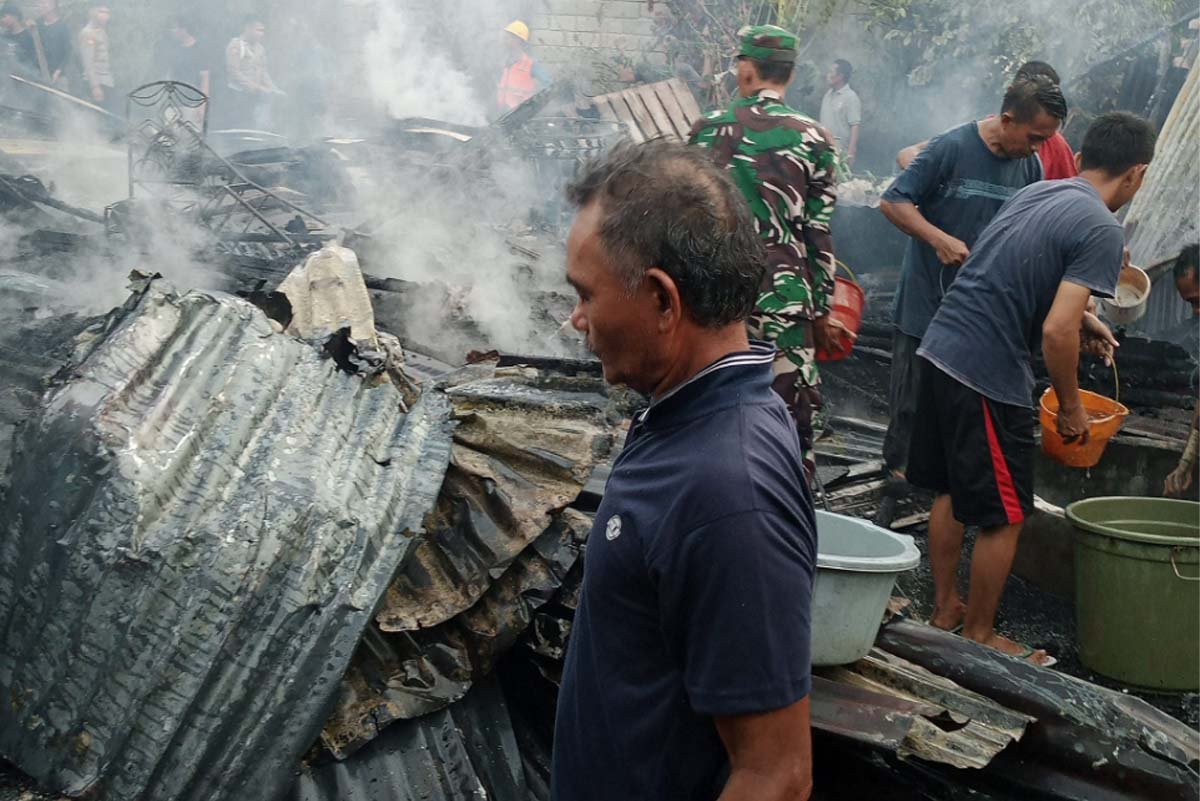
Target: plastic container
{"type": "Point", "coordinates": [1133, 291]}
{"type": "Point", "coordinates": [847, 307]}
{"type": "Point", "coordinates": [1105, 417]}
{"type": "Point", "coordinates": [857, 566]}
{"type": "Point", "coordinates": [1137, 590]}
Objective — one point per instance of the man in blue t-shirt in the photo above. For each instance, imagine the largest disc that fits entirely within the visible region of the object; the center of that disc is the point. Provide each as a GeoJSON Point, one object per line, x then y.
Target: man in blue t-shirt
{"type": "Point", "coordinates": [688, 670]}
{"type": "Point", "coordinates": [943, 201]}
{"type": "Point", "coordinates": [1028, 283]}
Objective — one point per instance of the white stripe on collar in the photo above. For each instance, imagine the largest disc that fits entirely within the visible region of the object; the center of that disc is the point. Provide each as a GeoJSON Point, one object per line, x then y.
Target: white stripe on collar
{"type": "Point", "coordinates": [759, 353]}
{"type": "Point", "coordinates": [770, 94]}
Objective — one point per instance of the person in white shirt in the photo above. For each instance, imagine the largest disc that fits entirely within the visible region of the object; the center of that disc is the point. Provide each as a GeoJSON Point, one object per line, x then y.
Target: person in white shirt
{"type": "Point", "coordinates": [841, 110]}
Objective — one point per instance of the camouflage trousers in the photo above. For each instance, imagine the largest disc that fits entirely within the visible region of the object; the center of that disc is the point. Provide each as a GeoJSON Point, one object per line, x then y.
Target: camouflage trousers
{"type": "Point", "coordinates": [797, 379]}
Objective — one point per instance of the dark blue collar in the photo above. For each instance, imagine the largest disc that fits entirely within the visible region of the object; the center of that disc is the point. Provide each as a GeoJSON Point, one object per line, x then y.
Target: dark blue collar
{"type": "Point", "coordinates": [716, 386]}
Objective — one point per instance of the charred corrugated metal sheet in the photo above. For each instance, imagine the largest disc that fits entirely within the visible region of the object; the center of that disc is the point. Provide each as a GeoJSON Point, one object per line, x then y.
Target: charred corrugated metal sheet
{"type": "Point", "coordinates": [886, 702]}
{"type": "Point", "coordinates": [1087, 742]}
{"type": "Point", "coordinates": [202, 518]}
{"type": "Point", "coordinates": [1163, 218]}
{"type": "Point", "coordinates": [29, 350]}
{"type": "Point", "coordinates": [499, 546]}
{"type": "Point", "coordinates": [466, 752]}
{"type": "Point", "coordinates": [406, 675]}
{"type": "Point", "coordinates": [526, 443]}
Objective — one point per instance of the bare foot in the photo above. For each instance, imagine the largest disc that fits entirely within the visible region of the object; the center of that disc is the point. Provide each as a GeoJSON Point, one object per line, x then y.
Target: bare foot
{"type": "Point", "coordinates": [951, 618]}
{"type": "Point", "coordinates": [1033, 656]}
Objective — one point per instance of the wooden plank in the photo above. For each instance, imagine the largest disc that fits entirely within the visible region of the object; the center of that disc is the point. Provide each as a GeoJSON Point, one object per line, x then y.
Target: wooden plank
{"type": "Point", "coordinates": [674, 112]}
{"type": "Point", "coordinates": [638, 109]}
{"type": "Point", "coordinates": [605, 108]}
{"type": "Point", "coordinates": [661, 121]}
{"type": "Point", "coordinates": [687, 103]}
{"type": "Point", "coordinates": [622, 113]}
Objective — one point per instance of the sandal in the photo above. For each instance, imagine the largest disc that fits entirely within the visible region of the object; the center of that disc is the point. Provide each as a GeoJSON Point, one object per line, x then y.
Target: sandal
{"type": "Point", "coordinates": [1029, 651]}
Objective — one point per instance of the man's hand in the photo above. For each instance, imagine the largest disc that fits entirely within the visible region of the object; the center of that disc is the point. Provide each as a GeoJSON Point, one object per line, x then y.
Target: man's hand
{"type": "Point", "coordinates": [850, 159]}
{"type": "Point", "coordinates": [98, 94]}
{"type": "Point", "coordinates": [951, 251]}
{"type": "Point", "coordinates": [1096, 339]}
{"type": "Point", "coordinates": [1072, 424]}
{"type": "Point", "coordinates": [1179, 481]}
{"type": "Point", "coordinates": [828, 334]}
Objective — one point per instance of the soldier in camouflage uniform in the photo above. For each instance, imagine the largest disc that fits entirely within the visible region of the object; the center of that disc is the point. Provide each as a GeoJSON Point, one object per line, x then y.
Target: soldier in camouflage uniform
{"type": "Point", "coordinates": [785, 165]}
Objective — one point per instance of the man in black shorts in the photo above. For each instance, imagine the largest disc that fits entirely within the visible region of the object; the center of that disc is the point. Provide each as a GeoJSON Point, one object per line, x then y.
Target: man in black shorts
{"type": "Point", "coordinates": [1028, 282]}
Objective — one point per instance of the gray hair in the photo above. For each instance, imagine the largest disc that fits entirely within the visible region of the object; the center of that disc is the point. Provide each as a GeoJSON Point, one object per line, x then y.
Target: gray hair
{"type": "Point", "coordinates": [668, 206]}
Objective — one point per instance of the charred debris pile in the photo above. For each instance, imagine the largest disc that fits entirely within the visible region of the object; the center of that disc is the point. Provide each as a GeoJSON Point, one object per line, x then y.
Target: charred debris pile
{"type": "Point", "coordinates": [241, 554]}
{"type": "Point", "coordinates": [241, 209]}
{"type": "Point", "coordinates": [261, 539]}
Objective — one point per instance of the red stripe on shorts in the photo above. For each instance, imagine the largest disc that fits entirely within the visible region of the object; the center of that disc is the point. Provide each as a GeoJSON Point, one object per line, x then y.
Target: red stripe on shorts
{"type": "Point", "coordinates": [1004, 482]}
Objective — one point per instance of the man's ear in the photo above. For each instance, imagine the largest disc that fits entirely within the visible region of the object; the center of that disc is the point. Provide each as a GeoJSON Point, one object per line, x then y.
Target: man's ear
{"type": "Point", "coordinates": [667, 303]}
{"type": "Point", "coordinates": [1079, 162]}
{"type": "Point", "coordinates": [1136, 173]}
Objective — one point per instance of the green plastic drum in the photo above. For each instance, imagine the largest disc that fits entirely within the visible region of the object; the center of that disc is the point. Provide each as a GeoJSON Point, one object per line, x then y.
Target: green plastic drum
{"type": "Point", "coordinates": [1137, 590]}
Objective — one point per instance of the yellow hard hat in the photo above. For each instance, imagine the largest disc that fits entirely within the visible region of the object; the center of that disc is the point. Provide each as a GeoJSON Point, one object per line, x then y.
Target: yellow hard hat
{"type": "Point", "coordinates": [518, 29]}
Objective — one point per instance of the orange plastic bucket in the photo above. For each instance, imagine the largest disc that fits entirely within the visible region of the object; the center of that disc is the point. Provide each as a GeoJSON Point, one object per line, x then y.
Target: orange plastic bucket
{"type": "Point", "coordinates": [849, 301]}
{"type": "Point", "coordinates": [1105, 417]}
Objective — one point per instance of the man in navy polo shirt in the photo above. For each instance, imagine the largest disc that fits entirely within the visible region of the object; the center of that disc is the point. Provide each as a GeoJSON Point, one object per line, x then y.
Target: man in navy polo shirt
{"type": "Point", "coordinates": [688, 671]}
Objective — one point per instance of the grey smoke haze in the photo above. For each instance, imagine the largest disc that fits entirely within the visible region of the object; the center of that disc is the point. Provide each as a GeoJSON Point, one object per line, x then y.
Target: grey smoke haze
{"type": "Point", "coordinates": [350, 65]}
{"type": "Point", "coordinates": [905, 104]}
{"type": "Point", "coordinates": [449, 234]}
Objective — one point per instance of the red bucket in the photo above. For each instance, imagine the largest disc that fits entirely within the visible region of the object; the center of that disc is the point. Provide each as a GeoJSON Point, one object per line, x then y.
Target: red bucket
{"type": "Point", "coordinates": [849, 300]}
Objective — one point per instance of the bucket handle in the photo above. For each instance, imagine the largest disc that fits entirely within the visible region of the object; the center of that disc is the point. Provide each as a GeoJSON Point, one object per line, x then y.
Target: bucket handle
{"type": "Point", "coordinates": [1175, 567]}
{"type": "Point", "coordinates": [846, 267]}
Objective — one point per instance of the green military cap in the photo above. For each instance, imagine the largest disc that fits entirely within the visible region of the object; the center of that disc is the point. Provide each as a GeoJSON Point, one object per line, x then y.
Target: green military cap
{"type": "Point", "coordinates": [767, 43]}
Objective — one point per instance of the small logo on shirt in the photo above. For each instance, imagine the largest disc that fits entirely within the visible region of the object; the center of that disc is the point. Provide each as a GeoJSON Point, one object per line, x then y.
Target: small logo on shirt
{"type": "Point", "coordinates": [613, 529]}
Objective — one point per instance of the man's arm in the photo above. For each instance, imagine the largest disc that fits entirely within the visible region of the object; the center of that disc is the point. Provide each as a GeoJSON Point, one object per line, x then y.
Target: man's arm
{"type": "Point", "coordinates": [814, 224]}
{"type": "Point", "coordinates": [746, 662]}
{"type": "Point", "coordinates": [1180, 479]}
{"type": "Point", "coordinates": [905, 157]}
{"type": "Point", "coordinates": [814, 231]}
{"type": "Point", "coordinates": [770, 754]}
{"type": "Point", "coordinates": [235, 67]}
{"type": "Point", "coordinates": [87, 57]}
{"type": "Point", "coordinates": [911, 189]}
{"type": "Point", "coordinates": [854, 119]}
{"type": "Point", "coordinates": [1060, 347]}
{"type": "Point", "coordinates": [908, 218]}
{"type": "Point", "coordinates": [541, 75]}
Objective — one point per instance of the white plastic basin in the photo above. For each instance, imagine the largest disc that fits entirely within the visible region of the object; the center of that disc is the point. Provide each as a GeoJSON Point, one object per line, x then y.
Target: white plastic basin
{"type": "Point", "coordinates": [857, 566]}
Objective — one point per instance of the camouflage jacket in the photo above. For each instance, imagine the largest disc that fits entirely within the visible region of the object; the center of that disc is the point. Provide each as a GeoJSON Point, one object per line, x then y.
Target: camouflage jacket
{"type": "Point", "coordinates": [785, 165]}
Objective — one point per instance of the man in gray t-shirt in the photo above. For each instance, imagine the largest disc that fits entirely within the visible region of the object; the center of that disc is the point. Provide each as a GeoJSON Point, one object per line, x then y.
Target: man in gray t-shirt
{"type": "Point", "coordinates": [1028, 283]}
{"type": "Point", "coordinates": [944, 200]}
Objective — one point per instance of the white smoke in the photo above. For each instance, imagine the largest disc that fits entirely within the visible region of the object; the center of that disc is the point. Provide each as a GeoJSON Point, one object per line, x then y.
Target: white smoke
{"type": "Point", "coordinates": [410, 78]}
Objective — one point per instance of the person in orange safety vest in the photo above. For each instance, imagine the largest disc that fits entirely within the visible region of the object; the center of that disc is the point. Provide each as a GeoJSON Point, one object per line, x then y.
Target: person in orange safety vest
{"type": "Point", "coordinates": [523, 76]}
